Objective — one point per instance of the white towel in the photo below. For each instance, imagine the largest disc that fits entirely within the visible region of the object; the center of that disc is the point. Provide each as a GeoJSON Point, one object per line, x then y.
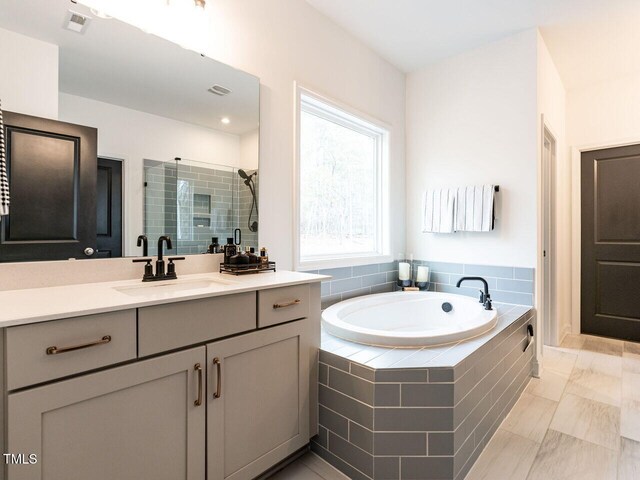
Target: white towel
{"type": "Point", "coordinates": [474, 208]}
{"type": "Point", "coordinates": [438, 211]}
{"type": "Point", "coordinates": [4, 182]}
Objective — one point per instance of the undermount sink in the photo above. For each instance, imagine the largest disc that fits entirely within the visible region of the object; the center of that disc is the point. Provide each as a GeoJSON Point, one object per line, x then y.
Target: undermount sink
{"type": "Point", "coordinates": [171, 286]}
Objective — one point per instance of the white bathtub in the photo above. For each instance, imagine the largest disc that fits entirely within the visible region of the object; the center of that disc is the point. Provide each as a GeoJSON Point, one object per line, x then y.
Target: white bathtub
{"type": "Point", "coordinates": [408, 319]}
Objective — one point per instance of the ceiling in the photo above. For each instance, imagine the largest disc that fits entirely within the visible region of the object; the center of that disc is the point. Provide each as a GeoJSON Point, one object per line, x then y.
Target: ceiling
{"type": "Point", "coordinates": [116, 63]}
{"type": "Point", "coordinates": [589, 40]}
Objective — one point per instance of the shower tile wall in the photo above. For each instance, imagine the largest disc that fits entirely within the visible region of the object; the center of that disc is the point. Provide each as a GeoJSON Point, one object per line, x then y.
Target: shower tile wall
{"type": "Point", "coordinates": [506, 284]}
{"type": "Point", "coordinates": [244, 208]}
{"type": "Point", "coordinates": [208, 202]}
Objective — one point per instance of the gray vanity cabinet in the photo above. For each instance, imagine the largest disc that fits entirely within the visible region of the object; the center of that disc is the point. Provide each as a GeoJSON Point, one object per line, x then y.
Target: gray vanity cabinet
{"type": "Point", "coordinates": [257, 400]}
{"type": "Point", "coordinates": [138, 421]}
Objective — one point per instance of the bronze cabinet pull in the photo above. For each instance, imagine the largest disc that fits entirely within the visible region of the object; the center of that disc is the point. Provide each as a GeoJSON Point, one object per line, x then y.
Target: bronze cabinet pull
{"type": "Point", "coordinates": [198, 368]}
{"type": "Point", "coordinates": [287, 304]}
{"type": "Point", "coordinates": [218, 392]}
{"type": "Point", "coordinates": [53, 350]}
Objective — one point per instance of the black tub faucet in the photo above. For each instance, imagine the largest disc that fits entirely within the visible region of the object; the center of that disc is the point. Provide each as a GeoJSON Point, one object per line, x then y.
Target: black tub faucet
{"type": "Point", "coordinates": [485, 298]}
{"type": "Point", "coordinates": [144, 243]}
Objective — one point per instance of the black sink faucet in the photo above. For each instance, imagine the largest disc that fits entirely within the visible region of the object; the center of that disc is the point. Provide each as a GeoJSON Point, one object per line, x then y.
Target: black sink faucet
{"type": "Point", "coordinates": [160, 274]}
{"type": "Point", "coordinates": [160, 262]}
{"type": "Point", "coordinates": [485, 298]}
{"type": "Point", "coordinates": [144, 243]}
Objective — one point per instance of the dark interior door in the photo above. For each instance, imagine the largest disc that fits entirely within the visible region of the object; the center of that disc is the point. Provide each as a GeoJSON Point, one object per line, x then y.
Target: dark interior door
{"type": "Point", "coordinates": [109, 208]}
{"type": "Point", "coordinates": [610, 303]}
{"type": "Point", "coordinates": [52, 169]}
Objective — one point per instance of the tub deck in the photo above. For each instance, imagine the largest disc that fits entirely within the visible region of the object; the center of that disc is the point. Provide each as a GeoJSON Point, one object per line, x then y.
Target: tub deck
{"type": "Point", "coordinates": [396, 413]}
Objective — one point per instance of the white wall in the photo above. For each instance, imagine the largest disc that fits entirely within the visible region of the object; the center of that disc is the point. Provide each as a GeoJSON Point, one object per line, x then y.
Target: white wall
{"type": "Point", "coordinates": [249, 150]}
{"type": "Point", "coordinates": [282, 41]}
{"type": "Point", "coordinates": [134, 136]}
{"type": "Point", "coordinates": [21, 89]}
{"type": "Point", "coordinates": [471, 119]}
{"type": "Point", "coordinates": [552, 105]}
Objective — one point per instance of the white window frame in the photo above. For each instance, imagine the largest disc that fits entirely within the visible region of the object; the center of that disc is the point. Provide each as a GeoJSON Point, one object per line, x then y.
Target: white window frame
{"type": "Point", "coordinates": [351, 118]}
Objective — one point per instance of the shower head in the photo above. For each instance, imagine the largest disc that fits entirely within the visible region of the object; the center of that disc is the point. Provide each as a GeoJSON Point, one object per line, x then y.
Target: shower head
{"type": "Point", "coordinates": [244, 175]}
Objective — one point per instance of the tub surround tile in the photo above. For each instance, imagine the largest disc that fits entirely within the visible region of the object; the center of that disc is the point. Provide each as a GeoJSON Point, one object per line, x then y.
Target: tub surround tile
{"type": "Point", "coordinates": [588, 420]}
{"type": "Point", "coordinates": [427, 422]}
{"type": "Point", "coordinates": [569, 458]}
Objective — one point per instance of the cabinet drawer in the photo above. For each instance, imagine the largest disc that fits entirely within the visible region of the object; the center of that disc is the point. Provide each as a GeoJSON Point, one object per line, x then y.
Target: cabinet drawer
{"type": "Point", "coordinates": [279, 305]}
{"type": "Point", "coordinates": [45, 351]}
{"type": "Point", "coordinates": [175, 325]}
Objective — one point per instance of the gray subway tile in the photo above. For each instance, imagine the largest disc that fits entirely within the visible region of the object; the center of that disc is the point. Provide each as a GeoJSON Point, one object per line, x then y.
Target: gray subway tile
{"type": "Point", "coordinates": [488, 271]}
{"type": "Point", "coordinates": [339, 286]}
{"type": "Point", "coordinates": [361, 437]}
{"type": "Point", "coordinates": [346, 406]}
{"type": "Point", "coordinates": [356, 293]}
{"type": "Point", "coordinates": [322, 436]}
{"type": "Point", "coordinates": [392, 276]}
{"type": "Point", "coordinates": [421, 468]}
{"type": "Point", "coordinates": [491, 282]}
{"type": "Point", "coordinates": [387, 395]}
{"type": "Point", "coordinates": [388, 267]}
{"type": "Point", "coordinates": [337, 273]}
{"type": "Point", "coordinates": [436, 277]}
{"type": "Point", "coordinates": [333, 422]}
{"type": "Point", "coordinates": [325, 288]}
{"type": "Point", "coordinates": [441, 443]}
{"type": "Point", "coordinates": [383, 288]}
{"type": "Point", "coordinates": [523, 273]}
{"type": "Point", "coordinates": [340, 464]}
{"type": "Point", "coordinates": [386, 468]}
{"type": "Point", "coordinates": [326, 302]}
{"type": "Point", "coordinates": [356, 457]}
{"type": "Point", "coordinates": [427, 395]}
{"type": "Point", "coordinates": [375, 279]}
{"type": "Point", "coordinates": [512, 297]}
{"type": "Point", "coordinates": [413, 419]}
{"type": "Point", "coordinates": [365, 270]}
{"type": "Point", "coordinates": [351, 385]}
{"type": "Point", "coordinates": [334, 360]}
{"type": "Point", "coordinates": [522, 286]}
{"type": "Point", "coordinates": [443, 267]}
{"type": "Point", "coordinates": [323, 371]}
{"type": "Point", "coordinates": [402, 375]}
{"type": "Point", "coordinates": [362, 372]}
{"type": "Point", "coordinates": [441, 375]}
{"type": "Point", "coordinates": [401, 443]}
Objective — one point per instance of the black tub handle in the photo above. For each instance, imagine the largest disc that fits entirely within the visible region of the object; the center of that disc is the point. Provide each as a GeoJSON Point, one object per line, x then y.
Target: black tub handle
{"type": "Point", "coordinates": [529, 337]}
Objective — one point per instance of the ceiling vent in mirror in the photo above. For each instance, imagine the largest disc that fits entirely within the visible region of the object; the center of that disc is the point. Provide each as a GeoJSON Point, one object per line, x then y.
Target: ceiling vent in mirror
{"type": "Point", "coordinates": [220, 90]}
{"type": "Point", "coordinates": [76, 22]}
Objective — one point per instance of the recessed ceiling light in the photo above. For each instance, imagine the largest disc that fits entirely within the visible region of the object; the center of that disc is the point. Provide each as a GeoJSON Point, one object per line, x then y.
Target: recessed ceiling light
{"type": "Point", "coordinates": [225, 120]}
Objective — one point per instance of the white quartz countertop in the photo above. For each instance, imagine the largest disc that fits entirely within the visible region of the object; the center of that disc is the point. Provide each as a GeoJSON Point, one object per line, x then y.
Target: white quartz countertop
{"type": "Point", "coordinates": [19, 307]}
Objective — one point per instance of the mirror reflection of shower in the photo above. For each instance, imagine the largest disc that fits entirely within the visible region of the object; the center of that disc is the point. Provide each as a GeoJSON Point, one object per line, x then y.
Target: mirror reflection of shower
{"type": "Point", "coordinates": [248, 181]}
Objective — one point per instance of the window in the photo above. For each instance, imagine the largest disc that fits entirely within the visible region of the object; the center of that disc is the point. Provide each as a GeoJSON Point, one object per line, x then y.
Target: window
{"type": "Point", "coordinates": [342, 186]}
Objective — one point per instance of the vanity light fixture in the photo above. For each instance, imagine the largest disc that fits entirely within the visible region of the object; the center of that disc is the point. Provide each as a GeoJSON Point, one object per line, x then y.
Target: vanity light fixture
{"type": "Point", "coordinates": [225, 120]}
{"type": "Point", "coordinates": [184, 22]}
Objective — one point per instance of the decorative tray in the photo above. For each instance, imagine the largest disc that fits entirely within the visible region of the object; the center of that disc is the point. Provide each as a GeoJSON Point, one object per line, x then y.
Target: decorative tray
{"type": "Point", "coordinates": [245, 269]}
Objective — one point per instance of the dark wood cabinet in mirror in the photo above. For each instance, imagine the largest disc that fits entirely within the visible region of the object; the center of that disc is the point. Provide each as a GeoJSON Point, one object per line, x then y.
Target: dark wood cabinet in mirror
{"type": "Point", "coordinates": [147, 101]}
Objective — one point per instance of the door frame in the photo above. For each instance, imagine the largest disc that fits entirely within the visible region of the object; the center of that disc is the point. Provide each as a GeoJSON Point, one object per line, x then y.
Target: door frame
{"type": "Point", "coordinates": [120, 159]}
{"type": "Point", "coordinates": [548, 226]}
{"type": "Point", "coordinates": [576, 222]}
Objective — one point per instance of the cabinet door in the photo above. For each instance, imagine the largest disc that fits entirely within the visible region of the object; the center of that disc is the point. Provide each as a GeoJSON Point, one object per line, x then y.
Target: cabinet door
{"type": "Point", "coordinates": [136, 422]}
{"type": "Point", "coordinates": [257, 400]}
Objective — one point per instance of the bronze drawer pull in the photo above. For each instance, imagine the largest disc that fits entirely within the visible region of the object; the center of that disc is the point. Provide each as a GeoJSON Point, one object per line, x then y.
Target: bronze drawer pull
{"type": "Point", "coordinates": [198, 368]}
{"type": "Point", "coordinates": [287, 304]}
{"type": "Point", "coordinates": [55, 350]}
{"type": "Point", "coordinates": [218, 392]}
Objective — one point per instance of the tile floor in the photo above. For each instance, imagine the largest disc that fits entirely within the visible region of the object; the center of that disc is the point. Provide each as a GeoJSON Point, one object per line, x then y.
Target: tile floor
{"type": "Point", "coordinates": [580, 421]}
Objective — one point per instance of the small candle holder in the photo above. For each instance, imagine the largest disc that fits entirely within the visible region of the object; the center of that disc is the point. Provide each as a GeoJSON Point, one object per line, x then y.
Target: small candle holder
{"type": "Point", "coordinates": [423, 286]}
{"type": "Point", "coordinates": [422, 277]}
{"type": "Point", "coordinates": [405, 283]}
